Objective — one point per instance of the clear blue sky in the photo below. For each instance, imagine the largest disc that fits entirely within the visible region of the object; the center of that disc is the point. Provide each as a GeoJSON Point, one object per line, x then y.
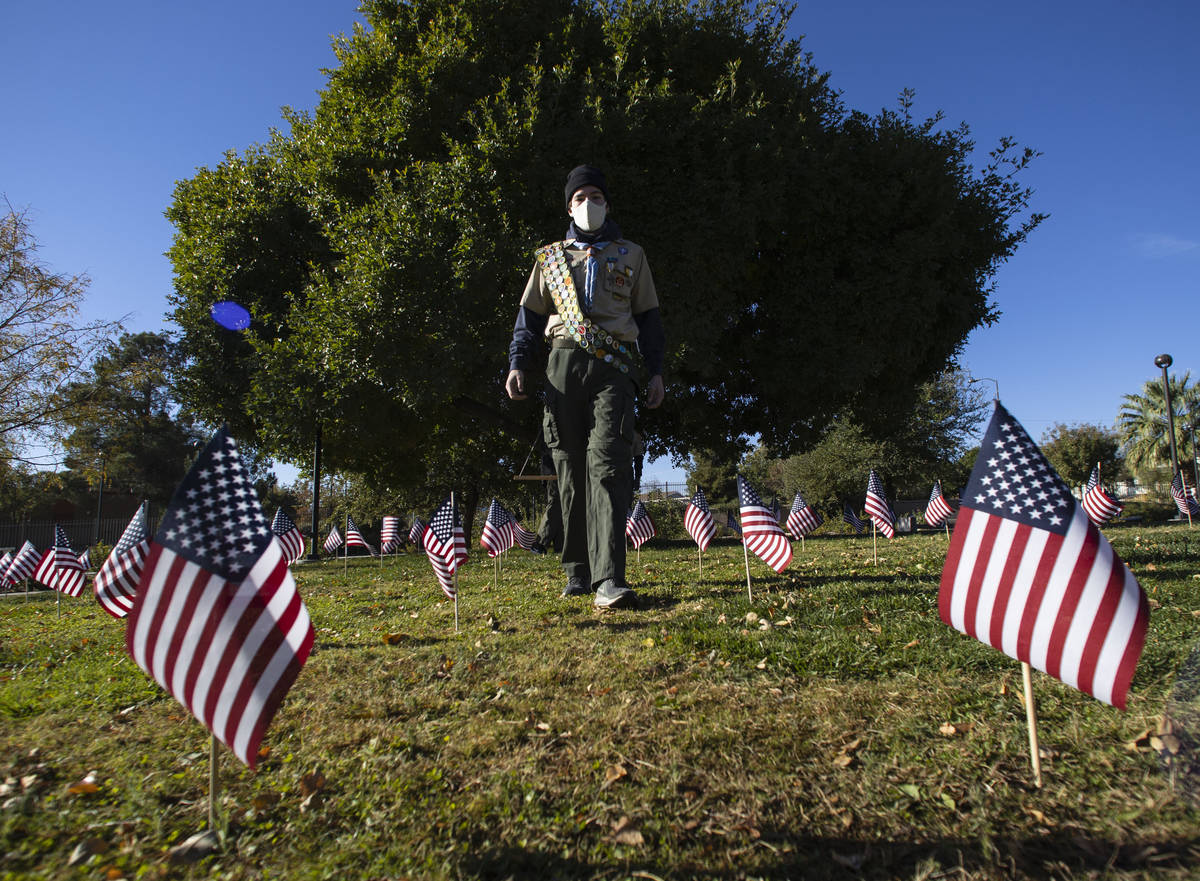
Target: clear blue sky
{"type": "Point", "coordinates": [110, 104]}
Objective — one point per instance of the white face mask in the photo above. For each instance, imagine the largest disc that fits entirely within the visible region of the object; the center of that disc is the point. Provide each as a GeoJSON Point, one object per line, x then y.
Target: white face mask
{"type": "Point", "coordinates": [589, 216]}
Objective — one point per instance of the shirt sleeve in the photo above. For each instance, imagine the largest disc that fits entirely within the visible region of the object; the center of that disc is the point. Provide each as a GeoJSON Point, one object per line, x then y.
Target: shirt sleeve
{"type": "Point", "coordinates": [644, 296]}
{"type": "Point", "coordinates": [652, 340]}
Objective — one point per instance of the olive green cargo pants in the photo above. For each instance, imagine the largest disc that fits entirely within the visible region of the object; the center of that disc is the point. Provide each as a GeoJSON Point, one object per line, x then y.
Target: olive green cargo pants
{"type": "Point", "coordinates": [589, 429]}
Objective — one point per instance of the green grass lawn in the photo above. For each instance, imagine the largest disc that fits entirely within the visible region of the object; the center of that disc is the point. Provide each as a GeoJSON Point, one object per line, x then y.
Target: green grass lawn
{"type": "Point", "coordinates": [831, 728]}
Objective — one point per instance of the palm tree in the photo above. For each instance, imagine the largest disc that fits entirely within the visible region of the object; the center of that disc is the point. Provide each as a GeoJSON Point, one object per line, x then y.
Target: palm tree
{"type": "Point", "coordinates": [1143, 422]}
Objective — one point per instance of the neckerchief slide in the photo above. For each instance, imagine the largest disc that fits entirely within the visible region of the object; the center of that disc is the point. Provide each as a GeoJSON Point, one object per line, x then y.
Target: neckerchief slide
{"type": "Point", "coordinates": [587, 336]}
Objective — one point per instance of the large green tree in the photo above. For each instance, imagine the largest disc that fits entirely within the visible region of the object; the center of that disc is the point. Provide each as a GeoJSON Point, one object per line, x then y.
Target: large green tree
{"type": "Point", "coordinates": [125, 428]}
{"type": "Point", "coordinates": [811, 261]}
{"type": "Point", "coordinates": [930, 443]}
{"type": "Point", "coordinates": [1074, 450]}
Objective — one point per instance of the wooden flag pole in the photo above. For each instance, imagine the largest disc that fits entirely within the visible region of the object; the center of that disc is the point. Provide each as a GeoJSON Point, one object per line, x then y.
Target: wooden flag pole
{"type": "Point", "coordinates": [874, 543]}
{"type": "Point", "coordinates": [495, 574]}
{"type": "Point", "coordinates": [1031, 720]}
{"type": "Point", "coordinates": [746, 554]}
{"type": "Point", "coordinates": [346, 548]}
{"type": "Point", "coordinates": [946, 523]}
{"type": "Point", "coordinates": [454, 552]}
{"type": "Point", "coordinates": [212, 785]}
{"type": "Point", "coordinates": [700, 560]}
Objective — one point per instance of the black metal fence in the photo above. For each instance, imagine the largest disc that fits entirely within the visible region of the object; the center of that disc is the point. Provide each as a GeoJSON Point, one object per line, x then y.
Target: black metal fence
{"type": "Point", "coordinates": [81, 533]}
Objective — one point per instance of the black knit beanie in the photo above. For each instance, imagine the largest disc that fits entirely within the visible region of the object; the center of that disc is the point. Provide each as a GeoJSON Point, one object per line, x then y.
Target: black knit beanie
{"type": "Point", "coordinates": [585, 176]}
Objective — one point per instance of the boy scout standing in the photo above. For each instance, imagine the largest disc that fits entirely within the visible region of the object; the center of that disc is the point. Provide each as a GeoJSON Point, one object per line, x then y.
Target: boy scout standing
{"type": "Point", "coordinates": [593, 298]}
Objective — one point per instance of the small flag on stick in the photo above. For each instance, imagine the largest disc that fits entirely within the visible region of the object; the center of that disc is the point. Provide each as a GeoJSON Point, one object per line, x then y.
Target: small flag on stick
{"type": "Point", "coordinates": [389, 534]}
{"type": "Point", "coordinates": [1029, 574]}
{"type": "Point", "coordinates": [877, 506]}
{"type": "Point", "coordinates": [1097, 503]}
{"type": "Point", "coordinates": [802, 518]}
{"type": "Point", "coordinates": [217, 621]}
{"type": "Point", "coordinates": [333, 541]}
{"type": "Point", "coordinates": [116, 583]}
{"type": "Point", "coordinates": [1184, 495]}
{"type": "Point", "coordinates": [639, 528]}
{"type": "Point", "coordinates": [60, 568]}
{"type": "Point", "coordinates": [698, 520]}
{"type": "Point", "coordinates": [354, 537]}
{"type": "Point", "coordinates": [446, 545]}
{"type": "Point", "coordinates": [937, 509]}
{"type": "Point", "coordinates": [850, 517]}
{"type": "Point", "coordinates": [291, 539]}
{"type": "Point", "coordinates": [497, 536]}
{"type": "Point", "coordinates": [23, 564]}
{"type": "Point", "coordinates": [761, 530]}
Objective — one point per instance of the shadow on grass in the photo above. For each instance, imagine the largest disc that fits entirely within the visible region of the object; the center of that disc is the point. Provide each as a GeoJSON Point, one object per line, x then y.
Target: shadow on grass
{"type": "Point", "coordinates": [784, 855]}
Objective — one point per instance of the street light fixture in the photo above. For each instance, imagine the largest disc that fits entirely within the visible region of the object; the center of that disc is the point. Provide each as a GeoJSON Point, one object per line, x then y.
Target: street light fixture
{"type": "Point", "coordinates": [1164, 361]}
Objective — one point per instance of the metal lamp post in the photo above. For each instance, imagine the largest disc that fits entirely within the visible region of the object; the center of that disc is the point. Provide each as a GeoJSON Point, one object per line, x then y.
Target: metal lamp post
{"type": "Point", "coordinates": [1164, 361]}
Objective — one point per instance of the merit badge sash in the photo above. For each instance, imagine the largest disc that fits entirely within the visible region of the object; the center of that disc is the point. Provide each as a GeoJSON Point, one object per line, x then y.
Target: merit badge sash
{"type": "Point", "coordinates": [557, 273]}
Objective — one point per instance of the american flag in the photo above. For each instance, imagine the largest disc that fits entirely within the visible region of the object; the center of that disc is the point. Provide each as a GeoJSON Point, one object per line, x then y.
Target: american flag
{"type": "Point", "coordinates": [877, 506]}
{"type": "Point", "coordinates": [445, 544]}
{"type": "Point", "coordinates": [389, 534]}
{"type": "Point", "coordinates": [639, 528]}
{"type": "Point", "coordinates": [523, 536]}
{"type": "Point", "coordinates": [732, 524]}
{"type": "Point", "coordinates": [416, 535]}
{"type": "Point", "coordinates": [354, 536]}
{"type": "Point", "coordinates": [59, 567]}
{"type": "Point", "coordinates": [5, 562]}
{"type": "Point", "coordinates": [333, 541]}
{"type": "Point", "coordinates": [1029, 574]}
{"type": "Point", "coordinates": [850, 517]}
{"type": "Point", "coordinates": [85, 559]}
{"type": "Point", "coordinates": [217, 620]}
{"type": "Point", "coordinates": [498, 534]}
{"type": "Point", "coordinates": [761, 529]}
{"type": "Point", "coordinates": [938, 509]}
{"type": "Point", "coordinates": [116, 583]}
{"type": "Point", "coordinates": [1098, 504]}
{"type": "Point", "coordinates": [24, 564]}
{"type": "Point", "coordinates": [291, 539]}
{"type": "Point", "coordinates": [1184, 495]}
{"type": "Point", "coordinates": [803, 518]}
{"type": "Point", "coordinates": [698, 520]}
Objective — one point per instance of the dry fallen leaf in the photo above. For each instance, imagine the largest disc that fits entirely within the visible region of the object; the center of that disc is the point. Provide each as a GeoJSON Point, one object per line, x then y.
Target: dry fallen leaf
{"type": "Point", "coordinates": [947, 729]}
{"type": "Point", "coordinates": [912, 644]}
{"type": "Point", "coordinates": [612, 774]}
{"type": "Point", "coordinates": [393, 638]}
{"type": "Point", "coordinates": [624, 832]}
{"type": "Point", "coordinates": [844, 760]}
{"type": "Point", "coordinates": [311, 783]}
{"type": "Point", "coordinates": [1136, 743]}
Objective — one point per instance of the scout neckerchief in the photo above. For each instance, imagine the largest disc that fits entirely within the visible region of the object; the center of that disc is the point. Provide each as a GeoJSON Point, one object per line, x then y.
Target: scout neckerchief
{"type": "Point", "coordinates": [592, 271]}
{"type": "Point", "coordinates": [602, 344]}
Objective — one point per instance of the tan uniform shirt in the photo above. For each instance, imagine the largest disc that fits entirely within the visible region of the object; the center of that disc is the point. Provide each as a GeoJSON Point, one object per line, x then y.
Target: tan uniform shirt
{"type": "Point", "coordinates": [624, 288]}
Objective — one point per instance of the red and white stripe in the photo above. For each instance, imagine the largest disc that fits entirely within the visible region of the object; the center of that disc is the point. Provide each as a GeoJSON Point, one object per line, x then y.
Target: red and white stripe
{"type": "Point", "coordinates": [228, 651]}
{"type": "Point", "coordinates": [699, 524]}
{"type": "Point", "coordinates": [389, 534]}
{"type": "Point", "coordinates": [639, 528]}
{"type": "Point", "coordinates": [762, 536]}
{"type": "Point", "coordinates": [937, 511]}
{"type": "Point", "coordinates": [1100, 506]}
{"type": "Point", "coordinates": [24, 564]}
{"type": "Point", "coordinates": [802, 521]}
{"type": "Point", "coordinates": [61, 571]}
{"type": "Point", "coordinates": [1065, 604]}
{"type": "Point", "coordinates": [116, 583]}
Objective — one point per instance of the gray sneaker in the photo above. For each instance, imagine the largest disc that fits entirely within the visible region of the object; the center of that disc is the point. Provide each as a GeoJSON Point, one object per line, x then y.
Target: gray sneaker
{"type": "Point", "coordinates": [611, 595]}
{"type": "Point", "coordinates": [576, 587]}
